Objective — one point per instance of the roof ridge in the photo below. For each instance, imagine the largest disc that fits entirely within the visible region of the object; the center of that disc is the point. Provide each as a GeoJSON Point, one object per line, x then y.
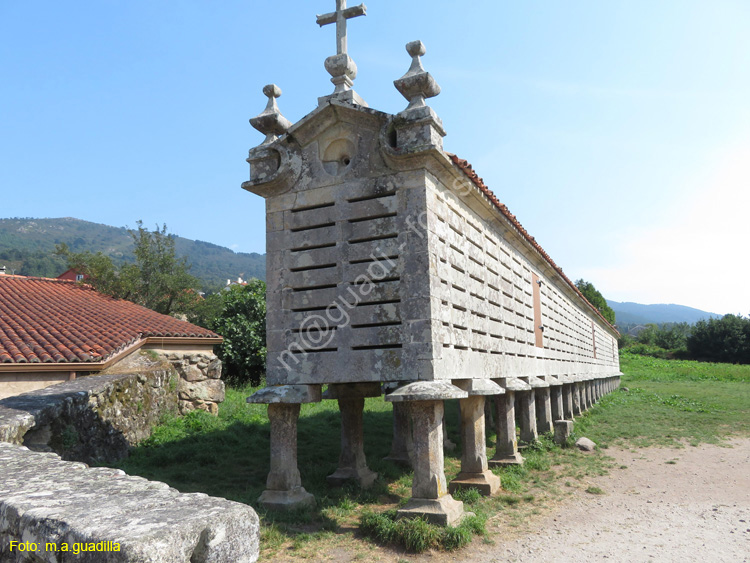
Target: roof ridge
{"type": "Point", "coordinates": [36, 278]}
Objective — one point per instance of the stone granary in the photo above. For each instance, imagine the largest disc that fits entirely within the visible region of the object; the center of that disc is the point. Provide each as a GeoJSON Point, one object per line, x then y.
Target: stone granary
{"type": "Point", "coordinates": [392, 268]}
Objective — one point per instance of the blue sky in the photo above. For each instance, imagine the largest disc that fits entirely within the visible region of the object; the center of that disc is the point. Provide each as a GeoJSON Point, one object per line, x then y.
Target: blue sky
{"type": "Point", "coordinates": [618, 132]}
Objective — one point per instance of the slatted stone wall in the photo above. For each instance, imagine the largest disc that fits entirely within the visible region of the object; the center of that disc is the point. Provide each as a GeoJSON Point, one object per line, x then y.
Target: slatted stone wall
{"type": "Point", "coordinates": [337, 285]}
{"type": "Point", "coordinates": [484, 280]}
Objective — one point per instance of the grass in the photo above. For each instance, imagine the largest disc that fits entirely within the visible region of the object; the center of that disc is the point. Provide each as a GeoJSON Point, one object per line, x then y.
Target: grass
{"type": "Point", "coordinates": [668, 403]}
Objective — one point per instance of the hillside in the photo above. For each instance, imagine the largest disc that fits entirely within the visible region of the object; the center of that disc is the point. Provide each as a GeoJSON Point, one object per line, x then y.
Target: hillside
{"type": "Point", "coordinates": [636, 314]}
{"type": "Point", "coordinates": [27, 247]}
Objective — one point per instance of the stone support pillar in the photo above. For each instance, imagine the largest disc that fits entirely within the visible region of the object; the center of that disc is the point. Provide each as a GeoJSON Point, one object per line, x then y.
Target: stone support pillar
{"type": "Point", "coordinates": [402, 447]}
{"type": "Point", "coordinates": [352, 462]}
{"type": "Point", "coordinates": [448, 446]}
{"type": "Point", "coordinates": [474, 468]}
{"type": "Point", "coordinates": [568, 401]}
{"type": "Point", "coordinates": [577, 406]}
{"type": "Point", "coordinates": [556, 393]}
{"type": "Point", "coordinates": [543, 410]}
{"type": "Point", "coordinates": [284, 490]}
{"type": "Point", "coordinates": [527, 406]}
{"type": "Point", "coordinates": [430, 498]}
{"type": "Point", "coordinates": [506, 452]}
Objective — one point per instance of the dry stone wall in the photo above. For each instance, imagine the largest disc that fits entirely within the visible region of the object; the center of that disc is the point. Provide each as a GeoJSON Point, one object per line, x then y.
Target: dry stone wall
{"type": "Point", "coordinates": [97, 418]}
{"type": "Point", "coordinates": [200, 386]}
{"type": "Point", "coordinates": [90, 419]}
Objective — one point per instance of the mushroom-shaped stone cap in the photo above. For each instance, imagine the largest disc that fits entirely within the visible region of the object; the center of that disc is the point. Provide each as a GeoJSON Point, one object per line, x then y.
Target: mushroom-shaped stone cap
{"type": "Point", "coordinates": [286, 394]}
{"type": "Point", "coordinates": [516, 384]}
{"type": "Point", "coordinates": [426, 391]}
{"type": "Point", "coordinates": [536, 382]}
{"type": "Point", "coordinates": [479, 386]}
{"type": "Point", "coordinates": [552, 381]}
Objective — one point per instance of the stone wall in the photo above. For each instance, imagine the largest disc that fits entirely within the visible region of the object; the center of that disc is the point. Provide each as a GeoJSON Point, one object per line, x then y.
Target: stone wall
{"type": "Point", "coordinates": [97, 418]}
{"type": "Point", "coordinates": [50, 504]}
{"type": "Point", "coordinates": [90, 419]}
{"type": "Point", "coordinates": [55, 507]}
{"type": "Point", "coordinates": [200, 386]}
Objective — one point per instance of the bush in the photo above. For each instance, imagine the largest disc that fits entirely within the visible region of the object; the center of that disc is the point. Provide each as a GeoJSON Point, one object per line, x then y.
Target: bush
{"type": "Point", "coordinates": [242, 323]}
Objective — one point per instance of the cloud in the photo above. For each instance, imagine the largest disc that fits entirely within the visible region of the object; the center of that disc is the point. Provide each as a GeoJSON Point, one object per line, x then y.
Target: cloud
{"type": "Point", "coordinates": [698, 253]}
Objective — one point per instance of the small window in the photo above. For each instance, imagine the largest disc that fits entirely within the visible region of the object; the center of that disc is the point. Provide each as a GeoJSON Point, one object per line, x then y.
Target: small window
{"type": "Point", "coordinates": [79, 277]}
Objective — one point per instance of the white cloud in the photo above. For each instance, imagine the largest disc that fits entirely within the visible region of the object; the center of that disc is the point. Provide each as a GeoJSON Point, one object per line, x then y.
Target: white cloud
{"type": "Point", "coordinates": [699, 253]}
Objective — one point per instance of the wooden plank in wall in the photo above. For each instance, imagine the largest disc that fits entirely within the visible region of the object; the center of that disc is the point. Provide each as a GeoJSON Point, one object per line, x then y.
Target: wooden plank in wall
{"type": "Point", "coordinates": [537, 293]}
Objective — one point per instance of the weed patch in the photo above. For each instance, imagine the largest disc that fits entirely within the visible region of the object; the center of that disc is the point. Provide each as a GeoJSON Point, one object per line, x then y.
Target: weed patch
{"type": "Point", "coordinates": [416, 535]}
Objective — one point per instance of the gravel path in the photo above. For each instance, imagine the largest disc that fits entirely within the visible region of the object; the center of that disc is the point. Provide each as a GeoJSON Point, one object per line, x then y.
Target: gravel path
{"type": "Point", "coordinates": [683, 505]}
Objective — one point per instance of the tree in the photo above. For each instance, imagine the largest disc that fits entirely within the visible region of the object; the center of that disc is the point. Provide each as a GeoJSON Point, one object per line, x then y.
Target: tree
{"type": "Point", "coordinates": [242, 323]}
{"type": "Point", "coordinates": [596, 299]}
{"type": "Point", "coordinates": [721, 340]}
{"type": "Point", "coordinates": [158, 279]}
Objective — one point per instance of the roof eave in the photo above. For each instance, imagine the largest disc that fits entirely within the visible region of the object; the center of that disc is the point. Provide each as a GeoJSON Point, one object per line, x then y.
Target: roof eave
{"type": "Point", "coordinates": [47, 367]}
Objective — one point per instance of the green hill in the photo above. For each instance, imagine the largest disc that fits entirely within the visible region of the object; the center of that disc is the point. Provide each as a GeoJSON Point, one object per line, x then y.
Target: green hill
{"type": "Point", "coordinates": [27, 248]}
{"type": "Point", "coordinates": [635, 313]}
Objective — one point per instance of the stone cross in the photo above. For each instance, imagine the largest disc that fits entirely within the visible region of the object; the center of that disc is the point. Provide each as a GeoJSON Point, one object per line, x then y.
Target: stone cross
{"type": "Point", "coordinates": [339, 17]}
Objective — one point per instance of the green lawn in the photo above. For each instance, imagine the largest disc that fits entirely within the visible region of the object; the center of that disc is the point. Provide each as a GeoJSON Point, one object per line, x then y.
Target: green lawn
{"type": "Point", "coordinates": [668, 402]}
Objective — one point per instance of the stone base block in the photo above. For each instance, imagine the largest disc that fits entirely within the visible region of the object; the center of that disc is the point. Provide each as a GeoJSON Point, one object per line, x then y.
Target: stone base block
{"type": "Point", "coordinates": [287, 500]}
{"type": "Point", "coordinates": [512, 459]}
{"type": "Point", "coordinates": [563, 430]}
{"type": "Point", "coordinates": [444, 511]}
{"type": "Point", "coordinates": [487, 483]}
{"type": "Point", "coordinates": [343, 475]}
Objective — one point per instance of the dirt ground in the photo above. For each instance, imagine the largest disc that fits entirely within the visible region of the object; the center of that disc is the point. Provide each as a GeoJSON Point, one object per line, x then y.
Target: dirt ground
{"type": "Point", "coordinates": [689, 504]}
{"type": "Point", "coordinates": [659, 505]}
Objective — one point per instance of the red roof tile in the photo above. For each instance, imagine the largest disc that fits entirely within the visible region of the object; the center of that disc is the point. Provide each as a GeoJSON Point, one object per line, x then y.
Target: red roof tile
{"type": "Point", "coordinates": [56, 321]}
{"type": "Point", "coordinates": [467, 169]}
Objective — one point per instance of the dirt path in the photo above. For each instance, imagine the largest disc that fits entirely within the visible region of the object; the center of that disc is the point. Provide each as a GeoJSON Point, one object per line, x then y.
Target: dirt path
{"type": "Point", "coordinates": [659, 505]}
{"type": "Point", "coordinates": [690, 504]}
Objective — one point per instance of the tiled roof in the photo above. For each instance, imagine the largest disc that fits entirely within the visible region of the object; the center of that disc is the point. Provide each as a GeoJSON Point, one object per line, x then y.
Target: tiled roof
{"type": "Point", "coordinates": [467, 169]}
{"type": "Point", "coordinates": [55, 321]}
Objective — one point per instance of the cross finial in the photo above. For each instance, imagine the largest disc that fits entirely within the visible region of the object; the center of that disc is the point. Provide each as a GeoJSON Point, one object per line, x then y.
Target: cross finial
{"type": "Point", "coordinates": [341, 66]}
{"type": "Point", "coordinates": [339, 17]}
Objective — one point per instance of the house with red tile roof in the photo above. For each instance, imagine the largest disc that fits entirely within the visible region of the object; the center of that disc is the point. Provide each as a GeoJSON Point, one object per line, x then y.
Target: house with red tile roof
{"type": "Point", "coordinates": [54, 330]}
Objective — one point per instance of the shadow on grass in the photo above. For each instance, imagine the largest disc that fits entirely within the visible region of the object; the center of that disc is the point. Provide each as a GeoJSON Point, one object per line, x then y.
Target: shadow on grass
{"type": "Point", "coordinates": [228, 456]}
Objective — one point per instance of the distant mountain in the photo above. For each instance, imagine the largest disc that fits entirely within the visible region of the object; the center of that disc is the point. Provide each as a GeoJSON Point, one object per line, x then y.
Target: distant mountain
{"type": "Point", "coordinates": [27, 247]}
{"type": "Point", "coordinates": [635, 313]}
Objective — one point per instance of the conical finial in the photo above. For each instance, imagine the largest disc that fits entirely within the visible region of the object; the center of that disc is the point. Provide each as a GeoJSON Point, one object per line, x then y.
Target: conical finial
{"type": "Point", "coordinates": [270, 122]}
{"type": "Point", "coordinates": [417, 84]}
